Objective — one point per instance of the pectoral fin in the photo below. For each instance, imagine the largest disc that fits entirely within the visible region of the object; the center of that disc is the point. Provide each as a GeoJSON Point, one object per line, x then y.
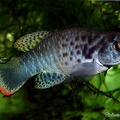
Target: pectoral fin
{"type": "Point", "coordinates": [29, 41]}
{"type": "Point", "coordinates": [49, 79]}
{"type": "Point", "coordinates": [87, 69]}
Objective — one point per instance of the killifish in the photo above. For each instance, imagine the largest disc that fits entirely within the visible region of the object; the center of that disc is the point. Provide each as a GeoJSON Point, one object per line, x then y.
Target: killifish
{"type": "Point", "coordinates": [54, 57]}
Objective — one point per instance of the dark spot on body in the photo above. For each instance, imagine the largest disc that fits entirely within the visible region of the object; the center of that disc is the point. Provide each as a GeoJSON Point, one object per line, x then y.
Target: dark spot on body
{"type": "Point", "coordinates": [83, 38]}
{"type": "Point", "coordinates": [85, 49]}
{"type": "Point", "coordinates": [78, 52]}
{"type": "Point", "coordinates": [90, 39]}
{"type": "Point", "coordinates": [91, 51]}
{"type": "Point", "coordinates": [66, 63]}
{"type": "Point", "coordinates": [65, 54]}
{"type": "Point", "coordinates": [64, 45]}
{"type": "Point", "coordinates": [71, 43]}
{"type": "Point", "coordinates": [78, 60]}
{"type": "Point", "coordinates": [77, 46]}
{"type": "Point", "coordinates": [76, 38]}
{"type": "Point", "coordinates": [71, 53]}
{"type": "Point", "coordinates": [71, 58]}
{"type": "Point", "coordinates": [67, 39]}
{"type": "Point", "coordinates": [88, 56]}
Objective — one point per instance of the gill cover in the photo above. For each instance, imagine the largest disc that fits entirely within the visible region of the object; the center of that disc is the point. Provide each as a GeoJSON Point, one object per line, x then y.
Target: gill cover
{"type": "Point", "coordinates": [110, 51]}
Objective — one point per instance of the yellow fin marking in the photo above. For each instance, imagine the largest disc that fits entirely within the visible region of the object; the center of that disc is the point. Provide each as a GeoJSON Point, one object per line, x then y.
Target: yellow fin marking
{"type": "Point", "coordinates": [29, 41]}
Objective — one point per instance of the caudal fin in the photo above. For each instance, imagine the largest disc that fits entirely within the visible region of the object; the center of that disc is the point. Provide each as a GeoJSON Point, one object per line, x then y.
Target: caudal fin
{"type": "Point", "coordinates": [11, 78]}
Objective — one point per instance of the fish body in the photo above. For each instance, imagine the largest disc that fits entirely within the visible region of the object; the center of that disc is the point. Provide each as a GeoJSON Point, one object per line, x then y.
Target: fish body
{"type": "Point", "coordinates": [64, 54]}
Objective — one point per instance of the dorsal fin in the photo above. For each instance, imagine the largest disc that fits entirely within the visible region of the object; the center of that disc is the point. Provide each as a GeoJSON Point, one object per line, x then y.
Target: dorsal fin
{"type": "Point", "coordinates": [29, 41]}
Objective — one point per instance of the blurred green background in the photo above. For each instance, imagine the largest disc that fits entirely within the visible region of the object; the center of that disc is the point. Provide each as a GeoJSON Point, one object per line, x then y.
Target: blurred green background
{"type": "Point", "coordinates": [73, 101]}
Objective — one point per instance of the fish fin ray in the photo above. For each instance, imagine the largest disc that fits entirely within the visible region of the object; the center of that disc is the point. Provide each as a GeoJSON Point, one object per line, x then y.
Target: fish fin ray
{"type": "Point", "coordinates": [29, 41]}
{"type": "Point", "coordinates": [9, 80]}
{"type": "Point", "coordinates": [48, 79]}
{"type": "Point", "coordinates": [84, 69]}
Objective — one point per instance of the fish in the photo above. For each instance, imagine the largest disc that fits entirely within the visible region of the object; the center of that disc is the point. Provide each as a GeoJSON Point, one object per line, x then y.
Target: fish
{"type": "Point", "coordinates": [54, 57]}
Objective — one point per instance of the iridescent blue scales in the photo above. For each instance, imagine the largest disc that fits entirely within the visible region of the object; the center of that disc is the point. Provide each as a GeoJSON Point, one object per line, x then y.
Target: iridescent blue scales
{"type": "Point", "coordinates": [55, 57]}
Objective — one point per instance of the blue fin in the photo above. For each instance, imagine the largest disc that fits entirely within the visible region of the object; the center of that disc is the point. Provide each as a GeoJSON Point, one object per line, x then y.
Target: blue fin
{"type": "Point", "coordinates": [87, 69]}
{"type": "Point", "coordinates": [49, 79]}
{"type": "Point", "coordinates": [84, 69]}
{"type": "Point", "coordinates": [11, 77]}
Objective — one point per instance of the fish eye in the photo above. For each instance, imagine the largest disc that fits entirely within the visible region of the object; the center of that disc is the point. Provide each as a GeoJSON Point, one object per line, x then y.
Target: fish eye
{"type": "Point", "coordinates": [116, 45]}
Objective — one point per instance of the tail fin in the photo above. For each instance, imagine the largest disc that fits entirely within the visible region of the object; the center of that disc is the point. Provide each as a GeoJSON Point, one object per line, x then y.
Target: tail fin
{"type": "Point", "coordinates": [10, 77]}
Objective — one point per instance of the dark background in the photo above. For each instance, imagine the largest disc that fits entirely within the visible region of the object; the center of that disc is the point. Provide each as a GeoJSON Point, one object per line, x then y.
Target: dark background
{"type": "Point", "coordinates": [73, 101]}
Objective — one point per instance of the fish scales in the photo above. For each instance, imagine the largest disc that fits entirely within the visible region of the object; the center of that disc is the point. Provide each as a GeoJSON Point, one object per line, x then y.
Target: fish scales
{"type": "Point", "coordinates": [60, 50]}
{"type": "Point", "coordinates": [68, 53]}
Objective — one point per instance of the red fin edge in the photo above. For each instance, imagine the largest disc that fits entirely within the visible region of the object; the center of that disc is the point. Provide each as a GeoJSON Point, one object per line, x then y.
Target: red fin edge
{"type": "Point", "coordinates": [6, 93]}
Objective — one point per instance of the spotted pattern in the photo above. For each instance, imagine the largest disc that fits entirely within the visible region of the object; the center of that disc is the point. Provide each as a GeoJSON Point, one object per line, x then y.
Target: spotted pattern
{"type": "Point", "coordinates": [65, 54]}
{"type": "Point", "coordinates": [54, 58]}
{"type": "Point", "coordinates": [90, 39]}
{"type": "Point", "coordinates": [77, 48]}
{"type": "Point", "coordinates": [85, 50]}
{"type": "Point", "coordinates": [67, 39]}
{"type": "Point", "coordinates": [78, 52]}
{"type": "Point", "coordinates": [71, 43]}
{"type": "Point", "coordinates": [49, 79]}
{"type": "Point", "coordinates": [78, 60]}
{"type": "Point", "coordinates": [60, 52]}
{"type": "Point", "coordinates": [77, 38]}
{"type": "Point", "coordinates": [71, 58]}
{"type": "Point", "coordinates": [64, 45]}
{"type": "Point", "coordinates": [29, 41]}
{"type": "Point", "coordinates": [71, 53]}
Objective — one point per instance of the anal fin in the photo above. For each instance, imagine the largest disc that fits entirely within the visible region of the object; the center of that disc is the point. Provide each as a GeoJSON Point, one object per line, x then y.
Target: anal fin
{"type": "Point", "coordinates": [48, 79]}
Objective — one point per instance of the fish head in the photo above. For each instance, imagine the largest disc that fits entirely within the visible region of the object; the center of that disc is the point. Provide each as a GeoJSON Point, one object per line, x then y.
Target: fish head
{"type": "Point", "coordinates": [109, 53]}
